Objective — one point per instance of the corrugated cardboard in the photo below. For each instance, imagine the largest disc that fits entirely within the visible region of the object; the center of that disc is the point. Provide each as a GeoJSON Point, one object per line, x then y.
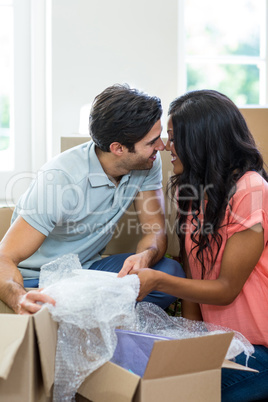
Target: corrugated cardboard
{"type": "Point", "coordinates": [178, 370]}
{"type": "Point", "coordinates": [4, 309]}
{"type": "Point", "coordinates": [257, 121]}
{"type": "Point", "coordinates": [20, 375]}
{"type": "Point", "coordinates": [5, 218]}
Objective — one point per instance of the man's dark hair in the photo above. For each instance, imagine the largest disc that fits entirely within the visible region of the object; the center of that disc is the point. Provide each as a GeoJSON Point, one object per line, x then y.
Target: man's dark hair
{"type": "Point", "coordinates": [122, 114]}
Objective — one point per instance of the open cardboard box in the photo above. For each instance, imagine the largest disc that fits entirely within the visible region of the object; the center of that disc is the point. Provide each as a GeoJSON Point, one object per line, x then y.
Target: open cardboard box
{"type": "Point", "coordinates": [177, 370]}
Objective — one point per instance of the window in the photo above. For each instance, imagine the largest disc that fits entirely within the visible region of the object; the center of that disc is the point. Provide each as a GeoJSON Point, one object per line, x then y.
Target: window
{"type": "Point", "coordinates": [6, 82]}
{"type": "Point", "coordinates": [15, 98]}
{"type": "Point", "coordinates": [225, 48]}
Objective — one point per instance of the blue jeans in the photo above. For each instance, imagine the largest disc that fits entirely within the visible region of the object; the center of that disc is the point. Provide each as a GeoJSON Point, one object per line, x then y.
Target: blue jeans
{"type": "Point", "coordinates": [246, 386]}
{"type": "Point", "coordinates": [31, 283]}
{"type": "Point", "coordinates": [115, 262]}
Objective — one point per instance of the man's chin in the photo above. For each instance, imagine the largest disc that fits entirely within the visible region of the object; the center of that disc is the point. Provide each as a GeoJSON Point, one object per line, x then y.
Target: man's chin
{"type": "Point", "coordinates": [145, 166]}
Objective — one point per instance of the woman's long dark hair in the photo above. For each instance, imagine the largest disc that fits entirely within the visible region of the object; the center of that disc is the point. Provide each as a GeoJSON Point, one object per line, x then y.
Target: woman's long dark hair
{"type": "Point", "coordinates": [216, 148]}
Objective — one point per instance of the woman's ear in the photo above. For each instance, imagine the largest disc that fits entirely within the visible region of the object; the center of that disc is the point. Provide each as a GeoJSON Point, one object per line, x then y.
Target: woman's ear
{"type": "Point", "coordinates": [116, 148]}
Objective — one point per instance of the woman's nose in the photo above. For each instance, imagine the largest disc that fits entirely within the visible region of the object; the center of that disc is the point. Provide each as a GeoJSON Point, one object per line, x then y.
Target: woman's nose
{"type": "Point", "coordinates": [167, 147]}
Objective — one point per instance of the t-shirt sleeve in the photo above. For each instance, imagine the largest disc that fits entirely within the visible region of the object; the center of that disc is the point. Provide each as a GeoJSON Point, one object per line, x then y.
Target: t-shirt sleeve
{"type": "Point", "coordinates": [50, 199]}
{"type": "Point", "coordinates": [153, 180]}
{"type": "Point", "coordinates": [249, 205]}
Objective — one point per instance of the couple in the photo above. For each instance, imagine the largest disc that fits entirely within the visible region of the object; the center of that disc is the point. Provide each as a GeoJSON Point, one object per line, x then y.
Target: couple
{"type": "Point", "coordinates": [221, 190]}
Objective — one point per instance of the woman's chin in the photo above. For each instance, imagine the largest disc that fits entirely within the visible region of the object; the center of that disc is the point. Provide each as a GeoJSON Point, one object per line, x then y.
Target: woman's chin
{"type": "Point", "coordinates": [177, 166]}
{"type": "Point", "coordinates": [177, 170]}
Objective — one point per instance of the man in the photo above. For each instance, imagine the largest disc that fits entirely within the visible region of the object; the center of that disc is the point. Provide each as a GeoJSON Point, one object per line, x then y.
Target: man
{"type": "Point", "coordinates": [79, 196]}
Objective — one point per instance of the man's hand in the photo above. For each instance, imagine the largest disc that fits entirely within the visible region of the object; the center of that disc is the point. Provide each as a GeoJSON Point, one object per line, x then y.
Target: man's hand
{"type": "Point", "coordinates": [136, 261]}
{"type": "Point", "coordinates": [19, 243]}
{"type": "Point", "coordinates": [28, 303]}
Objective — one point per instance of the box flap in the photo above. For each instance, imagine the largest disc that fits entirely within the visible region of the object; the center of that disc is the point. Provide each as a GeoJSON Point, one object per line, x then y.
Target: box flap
{"type": "Point", "coordinates": [183, 356]}
{"type": "Point", "coordinates": [46, 332]}
{"type": "Point", "coordinates": [236, 366]}
{"type": "Point", "coordinates": [13, 329]}
{"type": "Point", "coordinates": [110, 383]}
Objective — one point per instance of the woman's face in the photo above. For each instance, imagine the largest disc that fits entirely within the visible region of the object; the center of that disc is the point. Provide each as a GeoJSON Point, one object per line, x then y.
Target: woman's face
{"type": "Point", "coordinates": [175, 160]}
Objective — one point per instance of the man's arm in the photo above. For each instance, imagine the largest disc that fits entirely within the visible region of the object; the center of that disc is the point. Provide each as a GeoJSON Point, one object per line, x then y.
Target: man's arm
{"type": "Point", "coordinates": [19, 243]}
{"type": "Point", "coordinates": [149, 206]}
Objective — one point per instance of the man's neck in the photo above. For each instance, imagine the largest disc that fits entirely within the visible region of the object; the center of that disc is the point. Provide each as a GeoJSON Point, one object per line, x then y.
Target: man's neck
{"type": "Point", "coordinates": [107, 161]}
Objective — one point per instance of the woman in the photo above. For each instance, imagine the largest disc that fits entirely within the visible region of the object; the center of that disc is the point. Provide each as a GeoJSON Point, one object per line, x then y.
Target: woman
{"type": "Point", "coordinates": [221, 190]}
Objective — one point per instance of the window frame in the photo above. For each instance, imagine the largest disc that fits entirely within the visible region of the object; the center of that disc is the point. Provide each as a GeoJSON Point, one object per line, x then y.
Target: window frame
{"type": "Point", "coordinates": [28, 109]}
{"type": "Point", "coordinates": [261, 61]}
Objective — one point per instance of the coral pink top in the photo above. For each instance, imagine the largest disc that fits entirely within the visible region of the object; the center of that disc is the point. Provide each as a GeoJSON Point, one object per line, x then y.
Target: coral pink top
{"type": "Point", "coordinates": [248, 313]}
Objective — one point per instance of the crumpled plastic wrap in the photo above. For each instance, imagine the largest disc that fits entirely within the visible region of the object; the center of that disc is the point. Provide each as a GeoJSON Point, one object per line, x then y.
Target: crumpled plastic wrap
{"type": "Point", "coordinates": [58, 269]}
{"type": "Point", "coordinates": [153, 320]}
{"type": "Point", "coordinates": [90, 305]}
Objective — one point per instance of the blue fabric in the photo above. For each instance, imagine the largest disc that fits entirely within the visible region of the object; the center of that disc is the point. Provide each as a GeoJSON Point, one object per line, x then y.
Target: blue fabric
{"type": "Point", "coordinates": [133, 350]}
{"type": "Point", "coordinates": [246, 386]}
{"type": "Point", "coordinates": [31, 283]}
{"type": "Point", "coordinates": [114, 263]}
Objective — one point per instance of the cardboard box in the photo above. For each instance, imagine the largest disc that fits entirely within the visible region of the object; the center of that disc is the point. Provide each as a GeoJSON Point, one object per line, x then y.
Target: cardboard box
{"type": "Point", "coordinates": [178, 370]}
{"type": "Point", "coordinates": [5, 218]}
{"type": "Point", "coordinates": [21, 375]}
{"type": "Point", "coordinates": [4, 309]}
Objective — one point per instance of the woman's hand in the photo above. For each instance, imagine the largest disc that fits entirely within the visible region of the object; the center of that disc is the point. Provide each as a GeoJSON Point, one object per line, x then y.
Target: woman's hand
{"type": "Point", "coordinates": [148, 281]}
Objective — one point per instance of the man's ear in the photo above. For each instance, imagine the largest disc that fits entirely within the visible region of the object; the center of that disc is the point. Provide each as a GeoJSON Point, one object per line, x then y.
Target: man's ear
{"type": "Point", "coordinates": [116, 148]}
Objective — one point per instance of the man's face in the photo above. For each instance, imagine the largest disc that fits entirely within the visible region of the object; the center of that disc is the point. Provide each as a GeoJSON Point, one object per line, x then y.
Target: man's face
{"type": "Point", "coordinates": [145, 150]}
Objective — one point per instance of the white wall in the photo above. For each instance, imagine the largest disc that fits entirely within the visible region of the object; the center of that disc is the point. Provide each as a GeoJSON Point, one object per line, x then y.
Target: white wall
{"type": "Point", "coordinates": [74, 50]}
{"type": "Point", "coordinates": [96, 43]}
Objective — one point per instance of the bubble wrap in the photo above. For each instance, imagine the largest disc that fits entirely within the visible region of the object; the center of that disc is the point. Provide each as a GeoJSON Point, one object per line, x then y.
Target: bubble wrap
{"type": "Point", "coordinates": [90, 305]}
{"type": "Point", "coordinates": [153, 320]}
{"type": "Point", "coordinates": [58, 269]}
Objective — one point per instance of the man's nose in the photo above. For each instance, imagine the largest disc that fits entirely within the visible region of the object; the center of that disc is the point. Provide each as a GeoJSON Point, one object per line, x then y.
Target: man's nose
{"type": "Point", "coordinates": [160, 146]}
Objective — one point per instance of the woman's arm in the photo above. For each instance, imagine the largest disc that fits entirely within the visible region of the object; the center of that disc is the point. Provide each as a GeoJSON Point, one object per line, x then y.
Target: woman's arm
{"type": "Point", "coordinates": [189, 309]}
{"type": "Point", "coordinates": [241, 254]}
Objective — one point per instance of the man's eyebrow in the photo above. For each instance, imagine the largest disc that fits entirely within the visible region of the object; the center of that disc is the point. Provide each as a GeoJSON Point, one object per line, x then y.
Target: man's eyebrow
{"type": "Point", "coordinates": [153, 140]}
